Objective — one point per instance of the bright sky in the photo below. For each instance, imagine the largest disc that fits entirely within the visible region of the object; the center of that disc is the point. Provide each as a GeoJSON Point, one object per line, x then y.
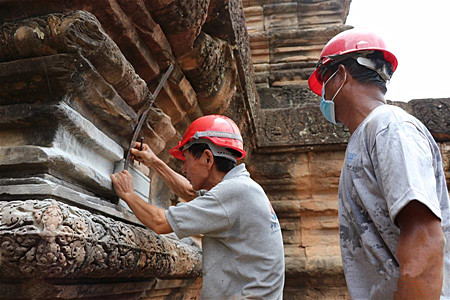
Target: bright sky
{"type": "Point", "coordinates": [418, 33]}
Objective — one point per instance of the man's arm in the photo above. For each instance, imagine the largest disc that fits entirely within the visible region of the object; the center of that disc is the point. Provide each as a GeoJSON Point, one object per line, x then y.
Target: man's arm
{"type": "Point", "coordinates": [176, 182]}
{"type": "Point", "coordinates": [151, 216]}
{"type": "Point", "coordinates": [420, 253]}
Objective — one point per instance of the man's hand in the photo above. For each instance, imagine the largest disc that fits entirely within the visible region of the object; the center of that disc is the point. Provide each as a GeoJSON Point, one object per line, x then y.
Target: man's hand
{"type": "Point", "coordinates": [151, 216]}
{"type": "Point", "coordinates": [176, 182]}
{"type": "Point", "coordinates": [420, 253]}
{"type": "Point", "coordinates": [144, 155]}
{"type": "Point", "coordinates": [123, 184]}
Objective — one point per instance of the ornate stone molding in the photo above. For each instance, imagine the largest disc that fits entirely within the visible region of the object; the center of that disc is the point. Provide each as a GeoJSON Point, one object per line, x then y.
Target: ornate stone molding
{"type": "Point", "coordinates": [298, 126]}
{"type": "Point", "coordinates": [49, 239]}
{"type": "Point", "coordinates": [291, 120]}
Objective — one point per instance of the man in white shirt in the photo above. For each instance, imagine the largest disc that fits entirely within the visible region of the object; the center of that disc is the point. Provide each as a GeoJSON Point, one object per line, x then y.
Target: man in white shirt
{"type": "Point", "coordinates": [394, 216]}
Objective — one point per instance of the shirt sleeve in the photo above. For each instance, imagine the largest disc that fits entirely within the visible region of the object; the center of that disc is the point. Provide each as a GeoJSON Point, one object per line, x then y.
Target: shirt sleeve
{"type": "Point", "coordinates": [403, 163]}
{"type": "Point", "coordinates": [203, 215]}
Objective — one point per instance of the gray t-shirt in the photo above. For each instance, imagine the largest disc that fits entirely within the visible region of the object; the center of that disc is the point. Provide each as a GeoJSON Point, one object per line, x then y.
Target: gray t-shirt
{"type": "Point", "coordinates": [243, 255]}
{"type": "Point", "coordinates": [391, 159]}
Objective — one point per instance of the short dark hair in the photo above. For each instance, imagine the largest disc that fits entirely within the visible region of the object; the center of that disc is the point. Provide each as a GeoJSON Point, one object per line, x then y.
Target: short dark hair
{"type": "Point", "coordinates": [222, 164]}
{"type": "Point", "coordinates": [363, 74]}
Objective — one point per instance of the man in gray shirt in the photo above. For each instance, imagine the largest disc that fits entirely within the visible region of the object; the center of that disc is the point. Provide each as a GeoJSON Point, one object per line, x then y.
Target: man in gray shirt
{"type": "Point", "coordinates": [393, 200]}
{"type": "Point", "coordinates": [243, 255]}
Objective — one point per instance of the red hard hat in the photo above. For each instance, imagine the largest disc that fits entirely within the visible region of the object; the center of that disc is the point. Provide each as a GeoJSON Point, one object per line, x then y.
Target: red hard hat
{"type": "Point", "coordinates": [347, 42]}
{"type": "Point", "coordinates": [220, 130]}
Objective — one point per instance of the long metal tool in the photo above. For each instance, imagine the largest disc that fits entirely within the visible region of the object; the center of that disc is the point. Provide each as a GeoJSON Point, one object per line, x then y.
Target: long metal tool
{"type": "Point", "coordinates": [143, 116]}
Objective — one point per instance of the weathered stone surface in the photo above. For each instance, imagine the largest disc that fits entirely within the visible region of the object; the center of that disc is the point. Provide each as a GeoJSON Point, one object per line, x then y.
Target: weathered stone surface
{"type": "Point", "coordinates": [132, 28]}
{"type": "Point", "coordinates": [291, 116]}
{"type": "Point", "coordinates": [48, 239]}
{"type": "Point", "coordinates": [161, 123]}
{"type": "Point", "coordinates": [435, 114]}
{"type": "Point", "coordinates": [234, 30]}
{"type": "Point", "coordinates": [212, 72]}
{"type": "Point", "coordinates": [76, 149]}
{"type": "Point", "coordinates": [55, 289]}
{"type": "Point", "coordinates": [243, 57]}
{"type": "Point", "coordinates": [298, 156]}
{"type": "Point", "coordinates": [302, 186]}
{"type": "Point", "coordinates": [445, 150]}
{"type": "Point", "coordinates": [302, 125]}
{"type": "Point", "coordinates": [42, 186]}
{"type": "Point", "coordinates": [68, 78]}
{"type": "Point", "coordinates": [280, 15]}
{"type": "Point", "coordinates": [175, 289]}
{"type": "Point", "coordinates": [292, 53]}
{"type": "Point", "coordinates": [181, 20]}
{"type": "Point", "coordinates": [74, 32]}
{"type": "Point", "coordinates": [75, 77]}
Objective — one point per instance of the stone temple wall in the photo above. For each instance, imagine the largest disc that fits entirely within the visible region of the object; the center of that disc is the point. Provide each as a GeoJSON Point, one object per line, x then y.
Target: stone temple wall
{"type": "Point", "coordinates": [75, 76]}
{"type": "Point", "coordinates": [298, 155]}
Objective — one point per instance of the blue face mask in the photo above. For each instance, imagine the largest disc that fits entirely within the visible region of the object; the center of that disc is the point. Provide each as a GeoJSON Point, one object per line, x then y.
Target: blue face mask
{"type": "Point", "coordinates": [327, 106]}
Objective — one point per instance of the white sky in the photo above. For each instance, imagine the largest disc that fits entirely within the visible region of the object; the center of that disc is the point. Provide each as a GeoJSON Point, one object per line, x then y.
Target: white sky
{"type": "Point", "coordinates": [418, 33]}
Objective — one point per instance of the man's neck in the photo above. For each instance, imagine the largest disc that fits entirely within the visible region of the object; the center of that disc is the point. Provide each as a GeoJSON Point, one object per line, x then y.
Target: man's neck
{"type": "Point", "coordinates": [214, 178]}
{"type": "Point", "coordinates": [360, 104]}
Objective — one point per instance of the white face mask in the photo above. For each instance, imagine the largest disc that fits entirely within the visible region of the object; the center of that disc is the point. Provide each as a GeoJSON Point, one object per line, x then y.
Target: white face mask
{"type": "Point", "coordinates": [327, 106]}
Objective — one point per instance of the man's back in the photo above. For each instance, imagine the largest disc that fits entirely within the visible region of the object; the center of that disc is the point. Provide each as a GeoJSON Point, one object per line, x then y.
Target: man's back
{"type": "Point", "coordinates": [391, 159]}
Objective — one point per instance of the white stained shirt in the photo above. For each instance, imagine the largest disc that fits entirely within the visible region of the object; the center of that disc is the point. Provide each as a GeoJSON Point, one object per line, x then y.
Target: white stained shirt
{"type": "Point", "coordinates": [391, 159]}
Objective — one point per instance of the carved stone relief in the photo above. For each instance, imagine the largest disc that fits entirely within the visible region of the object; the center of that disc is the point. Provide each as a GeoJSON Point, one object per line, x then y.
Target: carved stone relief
{"type": "Point", "coordinates": [49, 239]}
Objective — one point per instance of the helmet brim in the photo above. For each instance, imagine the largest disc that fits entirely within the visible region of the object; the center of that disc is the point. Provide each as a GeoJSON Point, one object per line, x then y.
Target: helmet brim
{"type": "Point", "coordinates": [314, 84]}
{"type": "Point", "coordinates": [177, 153]}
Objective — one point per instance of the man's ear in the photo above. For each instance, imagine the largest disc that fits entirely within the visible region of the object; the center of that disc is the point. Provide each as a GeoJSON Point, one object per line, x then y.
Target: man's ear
{"type": "Point", "coordinates": [209, 158]}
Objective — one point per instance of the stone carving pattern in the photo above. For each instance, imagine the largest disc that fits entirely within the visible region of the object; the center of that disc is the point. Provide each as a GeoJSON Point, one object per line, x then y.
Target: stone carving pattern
{"type": "Point", "coordinates": [299, 126]}
{"type": "Point", "coordinates": [181, 15]}
{"type": "Point", "coordinates": [48, 239]}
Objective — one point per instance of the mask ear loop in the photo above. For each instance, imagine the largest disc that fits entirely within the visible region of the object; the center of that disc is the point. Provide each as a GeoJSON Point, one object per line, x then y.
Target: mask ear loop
{"type": "Point", "coordinates": [330, 77]}
{"type": "Point", "coordinates": [342, 85]}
